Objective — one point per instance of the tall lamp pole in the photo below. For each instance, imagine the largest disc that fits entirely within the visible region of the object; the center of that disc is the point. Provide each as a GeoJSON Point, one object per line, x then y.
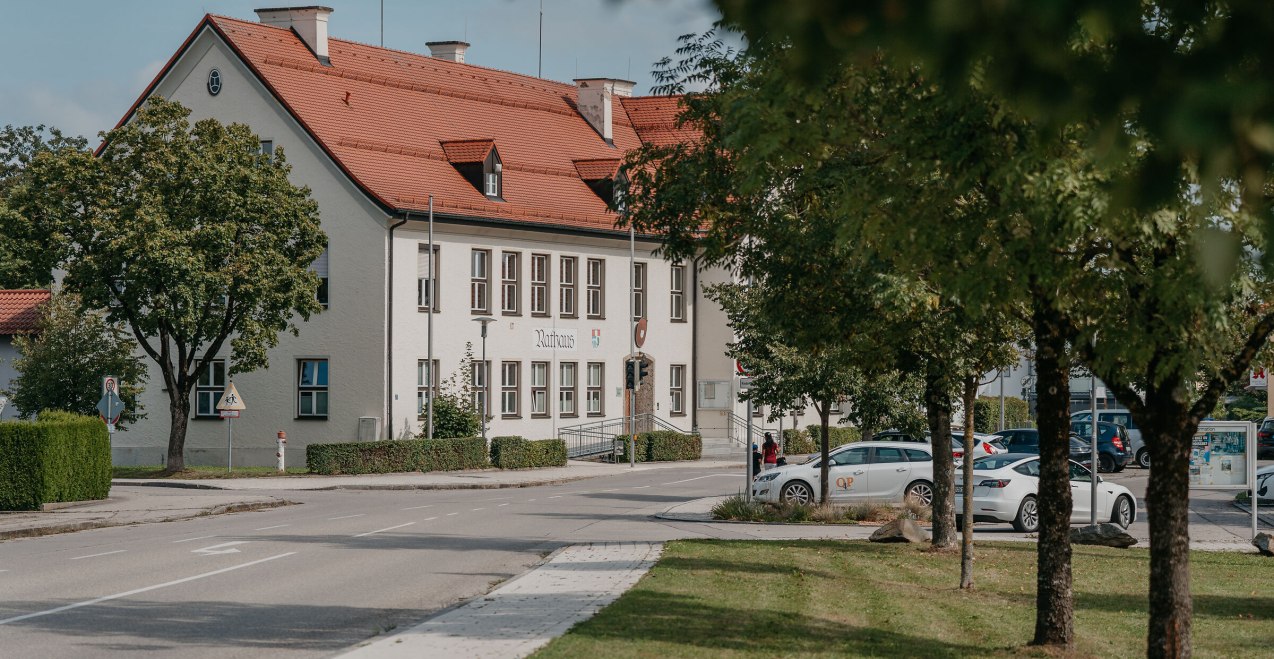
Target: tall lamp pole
{"type": "Point", "coordinates": [486, 375]}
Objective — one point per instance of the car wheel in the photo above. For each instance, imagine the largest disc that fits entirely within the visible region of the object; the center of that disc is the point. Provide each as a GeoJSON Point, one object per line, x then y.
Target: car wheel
{"type": "Point", "coordinates": [1028, 516]}
{"type": "Point", "coordinates": [797, 492]}
{"type": "Point", "coordinates": [921, 492]}
{"type": "Point", "coordinates": [1105, 463]}
{"type": "Point", "coordinates": [1120, 468]}
{"type": "Point", "coordinates": [1143, 459]}
{"type": "Point", "coordinates": [1122, 514]}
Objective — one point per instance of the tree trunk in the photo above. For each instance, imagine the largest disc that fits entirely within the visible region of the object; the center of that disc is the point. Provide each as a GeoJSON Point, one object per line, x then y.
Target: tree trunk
{"type": "Point", "coordinates": [1054, 600]}
{"type": "Point", "coordinates": [867, 431]}
{"type": "Point", "coordinates": [966, 535]}
{"type": "Point", "coordinates": [1169, 432]}
{"type": "Point", "coordinates": [938, 409]}
{"type": "Point", "coordinates": [179, 409]}
{"type": "Point", "coordinates": [824, 414]}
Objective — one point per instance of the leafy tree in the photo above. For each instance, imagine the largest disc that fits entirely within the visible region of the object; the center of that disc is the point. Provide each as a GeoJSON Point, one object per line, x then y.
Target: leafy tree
{"type": "Point", "coordinates": [62, 364]}
{"type": "Point", "coordinates": [29, 243]}
{"type": "Point", "coordinates": [190, 236]}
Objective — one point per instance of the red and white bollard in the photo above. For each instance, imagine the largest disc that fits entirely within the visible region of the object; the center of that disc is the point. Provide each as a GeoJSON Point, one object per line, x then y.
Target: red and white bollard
{"type": "Point", "coordinates": [283, 439]}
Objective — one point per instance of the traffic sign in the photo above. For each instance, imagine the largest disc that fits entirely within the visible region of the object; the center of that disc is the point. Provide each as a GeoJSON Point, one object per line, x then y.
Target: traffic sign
{"type": "Point", "coordinates": [639, 333]}
{"type": "Point", "coordinates": [745, 383]}
{"type": "Point", "coordinates": [229, 414]}
{"type": "Point", "coordinates": [1257, 379]}
{"type": "Point", "coordinates": [110, 384]}
{"type": "Point", "coordinates": [110, 407]}
{"type": "Point", "coordinates": [740, 368]}
{"type": "Point", "coordinates": [231, 400]}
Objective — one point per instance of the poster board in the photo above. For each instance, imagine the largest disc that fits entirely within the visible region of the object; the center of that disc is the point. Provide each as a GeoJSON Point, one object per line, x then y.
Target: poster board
{"type": "Point", "coordinates": [1222, 456]}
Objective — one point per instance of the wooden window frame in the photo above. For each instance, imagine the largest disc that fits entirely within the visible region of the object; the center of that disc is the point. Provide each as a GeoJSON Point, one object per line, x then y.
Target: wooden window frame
{"type": "Point", "coordinates": [638, 292]}
{"type": "Point", "coordinates": [568, 286]}
{"type": "Point", "coordinates": [423, 391]}
{"type": "Point", "coordinates": [423, 252]}
{"type": "Point", "coordinates": [597, 288]}
{"type": "Point", "coordinates": [677, 390]}
{"type": "Point", "coordinates": [542, 389]}
{"type": "Point", "coordinates": [515, 389]}
{"type": "Point", "coordinates": [511, 284]}
{"type": "Point", "coordinates": [211, 390]}
{"type": "Point", "coordinates": [313, 389]}
{"type": "Point", "coordinates": [482, 283]}
{"type": "Point", "coordinates": [563, 389]}
{"type": "Point", "coordinates": [677, 293]}
{"type": "Point", "coordinates": [543, 287]}
{"type": "Point", "coordinates": [599, 389]}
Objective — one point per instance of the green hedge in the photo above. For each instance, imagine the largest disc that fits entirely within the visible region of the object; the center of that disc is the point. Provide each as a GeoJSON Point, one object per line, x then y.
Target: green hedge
{"type": "Point", "coordinates": [514, 452]}
{"type": "Point", "coordinates": [663, 446]}
{"type": "Point", "coordinates": [986, 413]}
{"type": "Point", "coordinates": [797, 441]}
{"type": "Point", "coordinates": [397, 455]}
{"type": "Point", "coordinates": [59, 457]}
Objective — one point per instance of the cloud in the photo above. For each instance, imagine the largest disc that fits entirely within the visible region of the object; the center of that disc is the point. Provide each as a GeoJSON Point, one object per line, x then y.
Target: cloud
{"type": "Point", "coordinates": [43, 105]}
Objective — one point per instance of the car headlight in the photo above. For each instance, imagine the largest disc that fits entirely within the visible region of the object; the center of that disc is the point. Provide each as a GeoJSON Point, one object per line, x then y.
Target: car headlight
{"type": "Point", "coordinates": [768, 477]}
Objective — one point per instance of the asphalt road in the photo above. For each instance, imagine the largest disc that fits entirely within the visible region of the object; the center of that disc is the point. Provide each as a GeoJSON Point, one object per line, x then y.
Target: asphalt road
{"type": "Point", "coordinates": [312, 579]}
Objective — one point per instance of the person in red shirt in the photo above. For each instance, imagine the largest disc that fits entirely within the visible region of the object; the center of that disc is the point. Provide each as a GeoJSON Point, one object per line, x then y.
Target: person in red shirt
{"type": "Point", "coordinates": [770, 452]}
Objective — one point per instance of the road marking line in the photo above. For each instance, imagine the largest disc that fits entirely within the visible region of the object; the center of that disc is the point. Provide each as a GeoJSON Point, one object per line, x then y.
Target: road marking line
{"type": "Point", "coordinates": [610, 490]}
{"type": "Point", "coordinates": [557, 496]}
{"type": "Point", "coordinates": [202, 537]}
{"type": "Point", "coordinates": [419, 507]}
{"type": "Point", "coordinates": [450, 514]}
{"type": "Point", "coordinates": [501, 505]}
{"type": "Point", "coordinates": [431, 519]}
{"type": "Point", "coordinates": [276, 526]}
{"type": "Point", "coordinates": [105, 553]}
{"type": "Point", "coordinates": [383, 530]}
{"type": "Point", "coordinates": [477, 509]}
{"type": "Point", "coordinates": [639, 487]}
{"type": "Point", "coordinates": [137, 591]}
{"type": "Point", "coordinates": [345, 517]}
{"type": "Point", "coordinates": [215, 550]}
{"type": "Point", "coordinates": [697, 478]}
{"type": "Point", "coordinates": [530, 500]}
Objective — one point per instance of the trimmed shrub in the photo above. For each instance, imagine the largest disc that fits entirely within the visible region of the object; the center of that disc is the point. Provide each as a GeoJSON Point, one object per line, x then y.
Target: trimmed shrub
{"type": "Point", "coordinates": [986, 413]}
{"type": "Point", "coordinates": [59, 457]}
{"type": "Point", "coordinates": [662, 446]}
{"type": "Point", "coordinates": [383, 457]}
{"type": "Point", "coordinates": [517, 453]}
{"type": "Point", "coordinates": [836, 435]}
{"type": "Point", "coordinates": [798, 441]}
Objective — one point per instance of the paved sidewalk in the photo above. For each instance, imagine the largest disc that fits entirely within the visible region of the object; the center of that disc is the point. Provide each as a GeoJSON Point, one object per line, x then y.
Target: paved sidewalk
{"type": "Point", "coordinates": [474, 479]}
{"type": "Point", "coordinates": [131, 505]}
{"type": "Point", "coordinates": [525, 614]}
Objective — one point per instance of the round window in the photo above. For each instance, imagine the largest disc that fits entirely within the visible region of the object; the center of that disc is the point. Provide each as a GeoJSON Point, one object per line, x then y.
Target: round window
{"type": "Point", "coordinates": [214, 82]}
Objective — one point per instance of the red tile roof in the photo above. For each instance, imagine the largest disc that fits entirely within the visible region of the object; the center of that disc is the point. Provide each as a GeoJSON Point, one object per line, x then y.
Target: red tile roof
{"type": "Point", "coordinates": [20, 310]}
{"type": "Point", "coordinates": [396, 121]}
{"type": "Point", "coordinates": [596, 170]}
{"type": "Point", "coordinates": [654, 118]}
{"type": "Point", "coordinates": [466, 151]}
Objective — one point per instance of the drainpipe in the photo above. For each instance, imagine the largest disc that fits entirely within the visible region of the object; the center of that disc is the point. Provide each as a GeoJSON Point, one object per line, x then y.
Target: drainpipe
{"type": "Point", "coordinates": [389, 333]}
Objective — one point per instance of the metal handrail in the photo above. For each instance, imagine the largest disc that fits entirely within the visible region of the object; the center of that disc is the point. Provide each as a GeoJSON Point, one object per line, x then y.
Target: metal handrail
{"type": "Point", "coordinates": [737, 431]}
{"type": "Point", "coordinates": [598, 437]}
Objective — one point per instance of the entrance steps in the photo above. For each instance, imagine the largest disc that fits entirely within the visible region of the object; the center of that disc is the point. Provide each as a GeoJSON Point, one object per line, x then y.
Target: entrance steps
{"type": "Point", "coordinates": [722, 448]}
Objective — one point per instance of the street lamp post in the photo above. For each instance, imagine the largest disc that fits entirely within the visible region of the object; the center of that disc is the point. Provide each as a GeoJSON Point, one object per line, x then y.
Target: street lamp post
{"type": "Point", "coordinates": [486, 386]}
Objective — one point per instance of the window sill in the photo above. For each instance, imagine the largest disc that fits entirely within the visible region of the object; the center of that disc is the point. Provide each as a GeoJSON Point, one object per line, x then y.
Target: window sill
{"type": "Point", "coordinates": [510, 313]}
{"type": "Point", "coordinates": [568, 416]}
{"type": "Point", "coordinates": [596, 414]}
{"type": "Point", "coordinates": [569, 317]}
{"type": "Point", "coordinates": [203, 417]}
{"type": "Point", "coordinates": [310, 417]}
{"type": "Point", "coordinates": [541, 416]}
{"type": "Point", "coordinates": [677, 320]}
{"type": "Point", "coordinates": [510, 416]}
{"type": "Point", "coordinates": [592, 317]}
{"type": "Point", "coordinates": [676, 414]}
{"type": "Point", "coordinates": [426, 309]}
{"type": "Point", "coordinates": [479, 312]}
{"type": "Point", "coordinates": [536, 314]}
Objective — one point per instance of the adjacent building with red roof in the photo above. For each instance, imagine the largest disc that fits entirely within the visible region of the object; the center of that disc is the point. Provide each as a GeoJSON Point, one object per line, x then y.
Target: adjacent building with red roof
{"type": "Point", "coordinates": [20, 312]}
{"type": "Point", "coordinates": [520, 176]}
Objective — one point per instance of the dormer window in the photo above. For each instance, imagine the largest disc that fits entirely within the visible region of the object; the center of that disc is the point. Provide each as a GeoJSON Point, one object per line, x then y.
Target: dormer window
{"type": "Point", "coordinates": [479, 163]}
{"type": "Point", "coordinates": [605, 179]}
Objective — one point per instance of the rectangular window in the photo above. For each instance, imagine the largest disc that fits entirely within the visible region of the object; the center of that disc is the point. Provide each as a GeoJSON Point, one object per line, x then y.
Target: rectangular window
{"type": "Point", "coordinates": [835, 408]}
{"type": "Point", "coordinates": [639, 291]}
{"type": "Point", "coordinates": [678, 288]}
{"type": "Point", "coordinates": [319, 267]}
{"type": "Point", "coordinates": [510, 286]}
{"type": "Point", "coordinates": [539, 284]}
{"type": "Point", "coordinates": [209, 388]}
{"type": "Point", "coordinates": [426, 384]}
{"type": "Point", "coordinates": [479, 387]}
{"type": "Point", "coordinates": [479, 281]}
{"type": "Point", "coordinates": [539, 388]}
{"type": "Point", "coordinates": [677, 389]}
{"type": "Point", "coordinates": [566, 286]}
{"type": "Point", "coordinates": [493, 184]}
{"type": "Point", "coordinates": [566, 389]}
{"type": "Point", "coordinates": [267, 149]}
{"type": "Point", "coordinates": [311, 388]}
{"type": "Point", "coordinates": [426, 278]}
{"type": "Point", "coordinates": [509, 374]}
{"type": "Point", "coordinates": [593, 396]}
{"type": "Point", "coordinates": [595, 277]}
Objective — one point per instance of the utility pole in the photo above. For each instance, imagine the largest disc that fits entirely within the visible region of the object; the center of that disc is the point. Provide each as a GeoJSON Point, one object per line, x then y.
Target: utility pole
{"type": "Point", "coordinates": [632, 344]}
{"type": "Point", "coordinates": [429, 326]}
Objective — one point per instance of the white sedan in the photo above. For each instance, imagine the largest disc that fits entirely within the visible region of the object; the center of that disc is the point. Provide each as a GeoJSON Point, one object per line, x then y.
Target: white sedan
{"type": "Point", "coordinates": [884, 472]}
{"type": "Point", "coordinates": [1006, 489]}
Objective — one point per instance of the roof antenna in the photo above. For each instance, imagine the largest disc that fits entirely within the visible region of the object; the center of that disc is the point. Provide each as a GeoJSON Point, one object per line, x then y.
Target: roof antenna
{"type": "Point", "coordinates": [539, 56]}
{"type": "Point", "coordinates": [382, 23]}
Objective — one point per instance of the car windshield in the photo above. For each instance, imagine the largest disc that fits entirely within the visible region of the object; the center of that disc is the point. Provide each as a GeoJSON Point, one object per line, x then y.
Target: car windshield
{"type": "Point", "coordinates": [1268, 424]}
{"type": "Point", "coordinates": [994, 462]}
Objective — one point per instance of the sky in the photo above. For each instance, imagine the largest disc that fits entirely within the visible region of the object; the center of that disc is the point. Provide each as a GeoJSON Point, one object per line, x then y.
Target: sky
{"type": "Point", "coordinates": [78, 65]}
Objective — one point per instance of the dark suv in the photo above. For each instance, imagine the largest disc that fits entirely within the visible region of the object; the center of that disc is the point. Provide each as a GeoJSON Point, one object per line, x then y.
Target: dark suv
{"type": "Point", "coordinates": [1114, 449]}
{"type": "Point", "coordinates": [1027, 440]}
{"type": "Point", "coordinates": [1265, 438]}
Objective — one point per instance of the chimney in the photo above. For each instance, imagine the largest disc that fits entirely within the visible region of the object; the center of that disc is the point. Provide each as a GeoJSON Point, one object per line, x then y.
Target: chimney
{"type": "Point", "coordinates": [452, 51]}
{"type": "Point", "coordinates": [596, 102]}
{"type": "Point", "coordinates": [309, 23]}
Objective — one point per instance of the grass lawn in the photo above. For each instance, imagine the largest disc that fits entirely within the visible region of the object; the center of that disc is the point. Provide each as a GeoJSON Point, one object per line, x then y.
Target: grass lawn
{"type": "Point", "coordinates": [204, 472]}
{"type": "Point", "coordinates": [842, 599]}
